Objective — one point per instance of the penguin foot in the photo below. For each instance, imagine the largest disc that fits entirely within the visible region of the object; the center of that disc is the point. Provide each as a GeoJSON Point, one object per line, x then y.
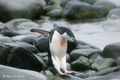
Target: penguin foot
{"type": "Point", "coordinates": [68, 72]}
{"type": "Point", "coordinates": [61, 73]}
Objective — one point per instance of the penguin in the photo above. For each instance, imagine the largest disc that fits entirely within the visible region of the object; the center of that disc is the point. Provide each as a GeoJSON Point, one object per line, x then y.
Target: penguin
{"type": "Point", "coordinates": [58, 40]}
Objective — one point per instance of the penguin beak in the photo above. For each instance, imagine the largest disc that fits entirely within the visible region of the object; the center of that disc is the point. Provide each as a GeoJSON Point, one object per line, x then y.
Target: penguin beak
{"type": "Point", "coordinates": [74, 40]}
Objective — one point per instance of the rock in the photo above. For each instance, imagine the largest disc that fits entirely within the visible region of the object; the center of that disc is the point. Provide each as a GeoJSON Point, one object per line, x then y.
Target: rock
{"type": "Point", "coordinates": [114, 13]}
{"type": "Point", "coordinates": [89, 73]}
{"type": "Point", "coordinates": [42, 43]}
{"type": "Point", "coordinates": [89, 1]}
{"type": "Point", "coordinates": [68, 58]}
{"type": "Point", "coordinates": [106, 4]}
{"type": "Point", "coordinates": [102, 63]}
{"type": "Point", "coordinates": [22, 58]}
{"type": "Point", "coordinates": [6, 40]}
{"type": "Point", "coordinates": [111, 76]}
{"type": "Point", "coordinates": [49, 77]}
{"type": "Point", "coordinates": [82, 63]}
{"type": "Point", "coordinates": [47, 72]}
{"type": "Point", "coordinates": [81, 75]}
{"type": "Point", "coordinates": [106, 71]}
{"type": "Point", "coordinates": [4, 51]}
{"type": "Point", "coordinates": [56, 13]}
{"type": "Point", "coordinates": [50, 8]}
{"type": "Point", "coordinates": [93, 57]}
{"type": "Point", "coordinates": [112, 50]}
{"type": "Point", "coordinates": [82, 10]}
{"type": "Point", "coordinates": [25, 27]}
{"type": "Point", "coordinates": [9, 33]}
{"type": "Point", "coordinates": [15, 56]}
{"type": "Point", "coordinates": [71, 77]}
{"type": "Point", "coordinates": [24, 45]}
{"type": "Point", "coordinates": [10, 73]}
{"type": "Point", "coordinates": [28, 39]}
{"type": "Point", "coordinates": [118, 61]}
{"type": "Point", "coordinates": [54, 2]}
{"type": "Point", "coordinates": [15, 22]}
{"type": "Point", "coordinates": [30, 9]}
{"type": "Point", "coordinates": [75, 54]}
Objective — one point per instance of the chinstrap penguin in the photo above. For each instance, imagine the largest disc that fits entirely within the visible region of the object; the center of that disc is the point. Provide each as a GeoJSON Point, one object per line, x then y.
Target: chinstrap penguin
{"type": "Point", "coordinates": [58, 39]}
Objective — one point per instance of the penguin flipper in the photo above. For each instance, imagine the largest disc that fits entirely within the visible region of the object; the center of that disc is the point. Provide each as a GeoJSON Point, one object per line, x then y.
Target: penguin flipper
{"type": "Point", "coordinates": [43, 32]}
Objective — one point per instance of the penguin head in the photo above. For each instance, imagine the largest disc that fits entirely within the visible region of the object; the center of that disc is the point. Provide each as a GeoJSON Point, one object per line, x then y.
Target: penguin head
{"type": "Point", "coordinates": [68, 37]}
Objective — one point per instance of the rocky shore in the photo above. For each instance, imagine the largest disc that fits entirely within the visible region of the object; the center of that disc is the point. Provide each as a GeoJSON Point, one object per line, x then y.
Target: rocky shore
{"type": "Point", "coordinates": [23, 54]}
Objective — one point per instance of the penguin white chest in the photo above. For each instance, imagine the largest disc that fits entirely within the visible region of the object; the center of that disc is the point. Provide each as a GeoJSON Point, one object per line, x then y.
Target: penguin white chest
{"type": "Point", "coordinates": [58, 45]}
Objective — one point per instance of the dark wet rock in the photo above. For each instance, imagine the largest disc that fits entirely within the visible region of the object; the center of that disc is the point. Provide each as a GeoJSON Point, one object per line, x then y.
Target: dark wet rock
{"type": "Point", "coordinates": [51, 77]}
{"type": "Point", "coordinates": [24, 45]}
{"type": "Point", "coordinates": [106, 71]}
{"type": "Point", "coordinates": [6, 40]}
{"type": "Point", "coordinates": [111, 51]}
{"type": "Point", "coordinates": [93, 57]}
{"type": "Point", "coordinates": [75, 54]}
{"type": "Point", "coordinates": [30, 9]}
{"type": "Point", "coordinates": [114, 13]}
{"type": "Point", "coordinates": [89, 73]}
{"type": "Point", "coordinates": [22, 58]}
{"type": "Point", "coordinates": [106, 4]}
{"type": "Point", "coordinates": [47, 72]}
{"type": "Point", "coordinates": [71, 77]}
{"type": "Point", "coordinates": [81, 75]}
{"type": "Point", "coordinates": [9, 33]}
{"type": "Point", "coordinates": [111, 76]}
{"type": "Point", "coordinates": [15, 56]}
{"type": "Point", "coordinates": [82, 10]}
{"type": "Point", "coordinates": [4, 51]}
{"type": "Point", "coordinates": [102, 63]}
{"type": "Point", "coordinates": [89, 1]}
{"type": "Point", "coordinates": [64, 2]}
{"type": "Point", "coordinates": [55, 13]}
{"type": "Point", "coordinates": [28, 39]}
{"type": "Point", "coordinates": [19, 73]}
{"type": "Point", "coordinates": [42, 43]}
{"type": "Point", "coordinates": [118, 61]}
{"type": "Point", "coordinates": [68, 58]}
{"type": "Point", "coordinates": [54, 2]}
{"type": "Point", "coordinates": [82, 63]}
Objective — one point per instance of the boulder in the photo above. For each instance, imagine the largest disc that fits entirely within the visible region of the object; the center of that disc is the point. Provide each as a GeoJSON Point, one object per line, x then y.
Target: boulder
{"type": "Point", "coordinates": [106, 71]}
{"type": "Point", "coordinates": [118, 61]}
{"type": "Point", "coordinates": [19, 57]}
{"type": "Point", "coordinates": [24, 45]}
{"type": "Point", "coordinates": [82, 10]}
{"type": "Point", "coordinates": [28, 39]}
{"type": "Point", "coordinates": [10, 73]}
{"type": "Point", "coordinates": [106, 4]}
{"type": "Point", "coordinates": [89, 1]}
{"type": "Point", "coordinates": [22, 58]}
{"type": "Point", "coordinates": [82, 63]}
{"type": "Point", "coordinates": [114, 13]}
{"type": "Point", "coordinates": [112, 50]}
{"type": "Point", "coordinates": [55, 13]}
{"type": "Point", "coordinates": [42, 43]}
{"type": "Point", "coordinates": [111, 76]}
{"type": "Point", "coordinates": [4, 51]}
{"type": "Point", "coordinates": [75, 54]}
{"type": "Point", "coordinates": [6, 40]}
{"type": "Point", "coordinates": [102, 63]}
{"type": "Point", "coordinates": [24, 9]}
{"type": "Point", "coordinates": [54, 2]}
